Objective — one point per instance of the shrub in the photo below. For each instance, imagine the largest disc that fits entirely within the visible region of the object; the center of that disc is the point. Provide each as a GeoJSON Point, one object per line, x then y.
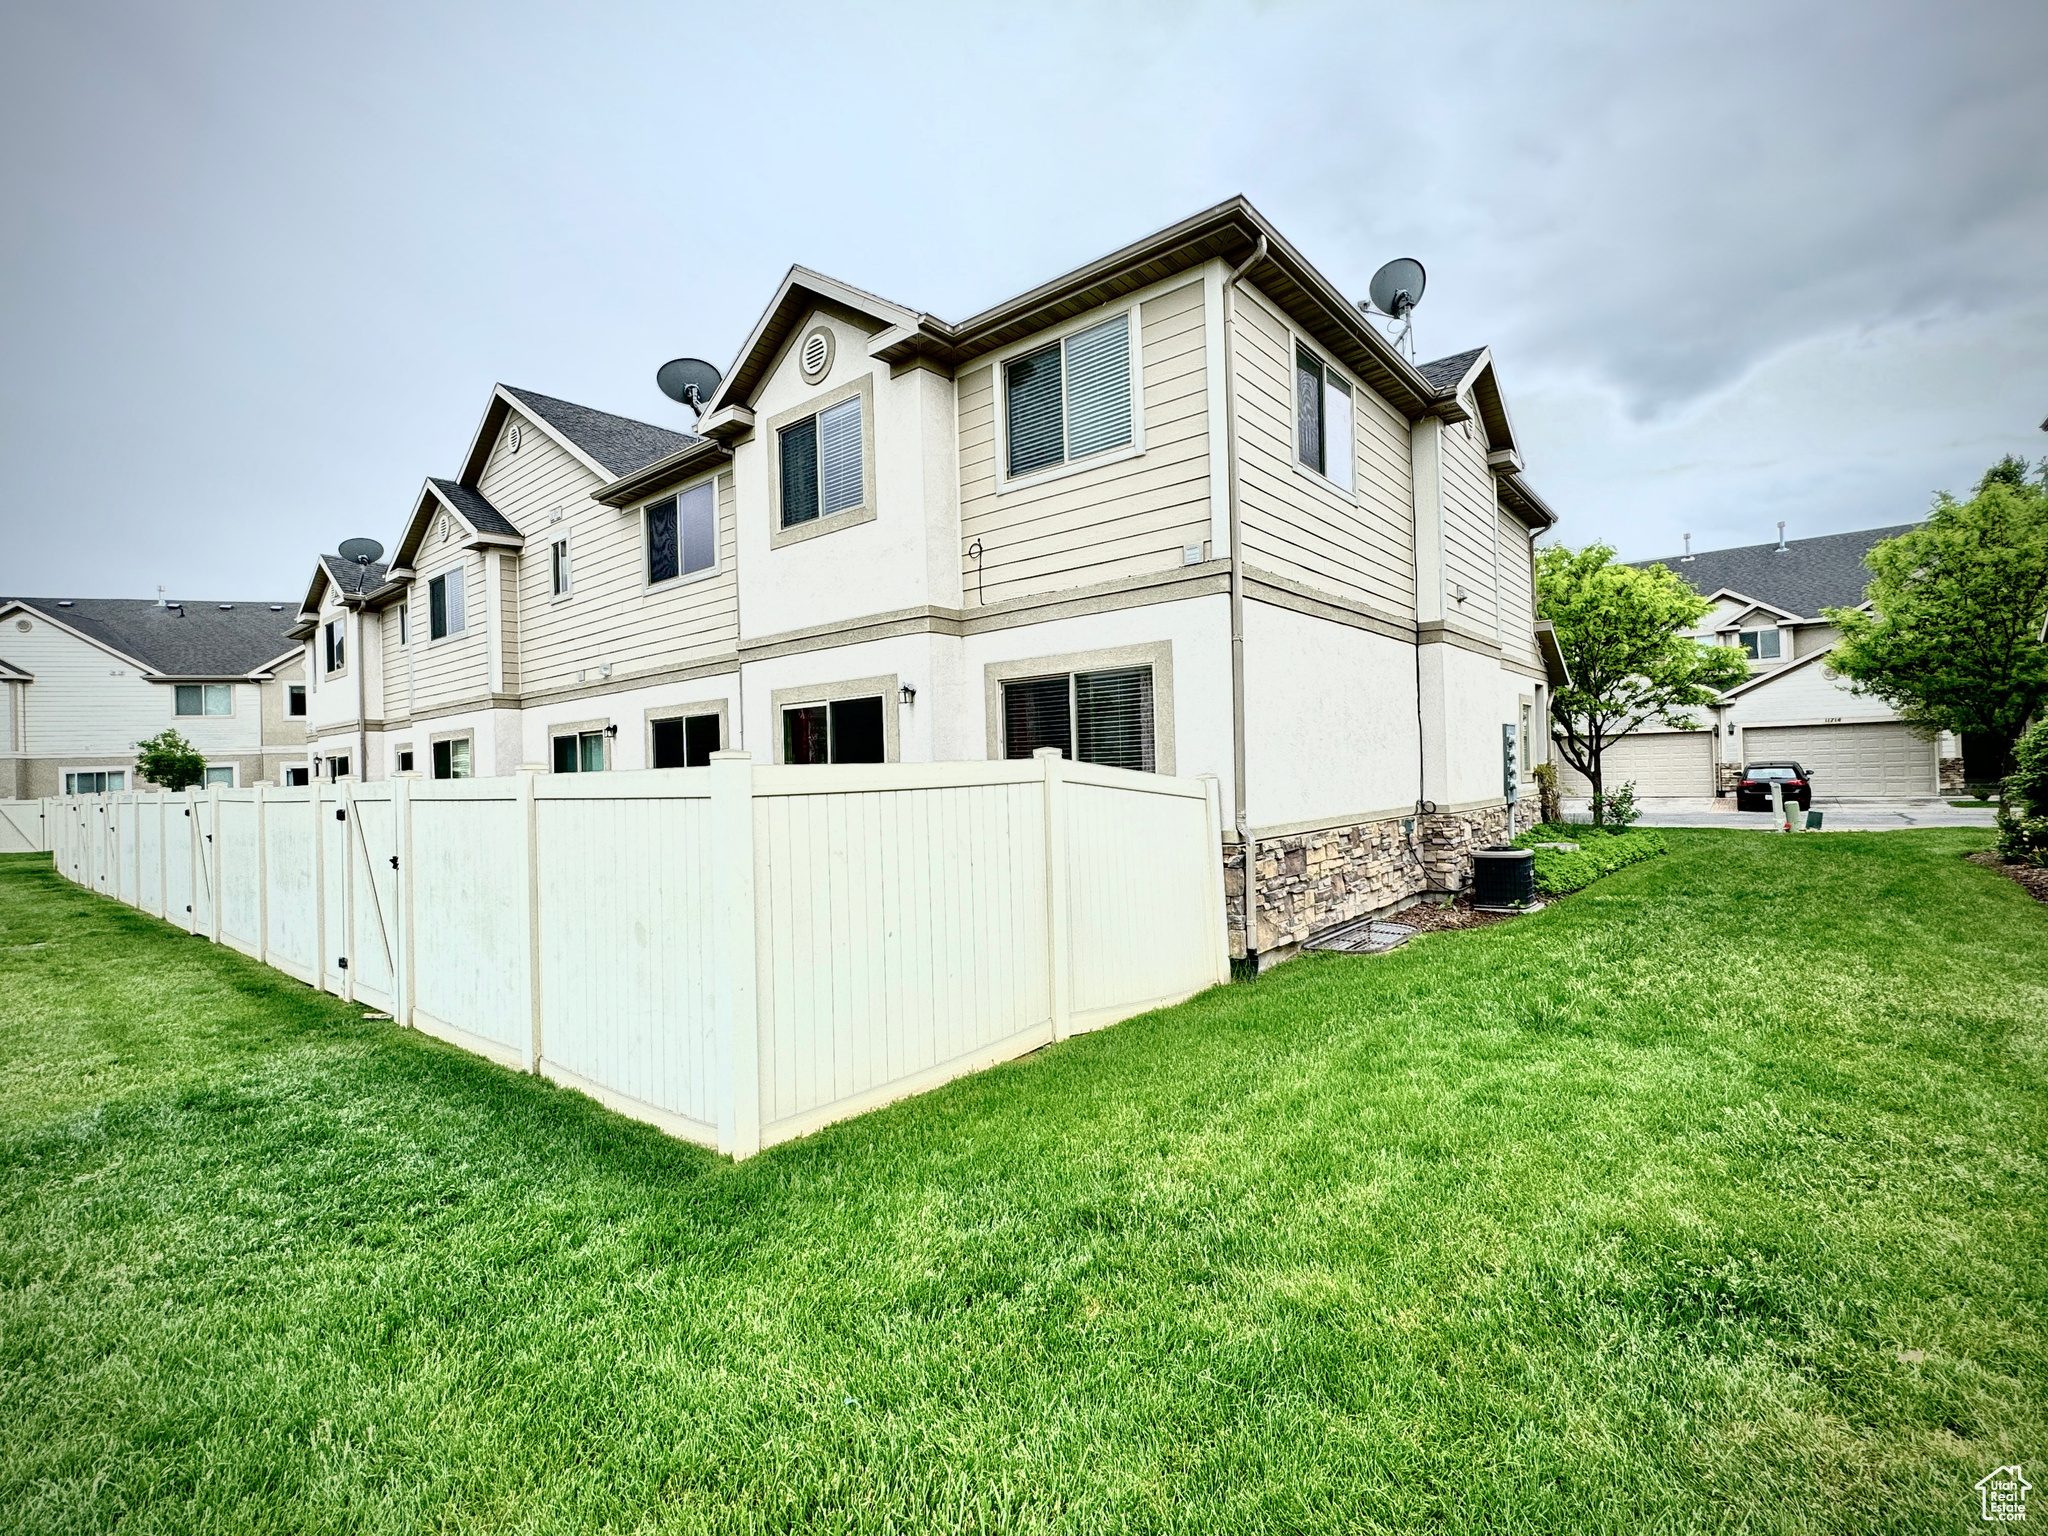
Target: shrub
{"type": "Point", "coordinates": [1617, 807]}
{"type": "Point", "coordinates": [169, 761]}
{"type": "Point", "coordinates": [1545, 775]}
{"type": "Point", "coordinates": [1600, 853]}
{"type": "Point", "coordinates": [2023, 807]}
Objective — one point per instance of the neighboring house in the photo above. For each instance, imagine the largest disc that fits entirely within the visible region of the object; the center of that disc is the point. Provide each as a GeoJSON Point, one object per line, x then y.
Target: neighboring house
{"type": "Point", "coordinates": [1768, 599]}
{"type": "Point", "coordinates": [86, 678]}
{"type": "Point", "coordinates": [1144, 513]}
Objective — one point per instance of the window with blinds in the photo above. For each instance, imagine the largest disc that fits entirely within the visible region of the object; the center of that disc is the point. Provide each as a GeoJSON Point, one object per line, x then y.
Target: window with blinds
{"type": "Point", "coordinates": [682, 534]}
{"type": "Point", "coordinates": [444, 605]}
{"type": "Point", "coordinates": [1322, 419]}
{"type": "Point", "coordinates": [1093, 717]}
{"type": "Point", "coordinates": [1069, 399]}
{"type": "Point", "coordinates": [558, 567]}
{"type": "Point", "coordinates": [821, 464]}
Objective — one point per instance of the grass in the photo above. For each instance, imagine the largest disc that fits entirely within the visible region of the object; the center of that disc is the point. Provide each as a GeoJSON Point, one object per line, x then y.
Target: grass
{"type": "Point", "coordinates": [1619, 1217]}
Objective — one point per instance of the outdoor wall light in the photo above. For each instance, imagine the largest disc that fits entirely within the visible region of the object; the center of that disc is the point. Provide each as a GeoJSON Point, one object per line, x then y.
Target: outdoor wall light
{"type": "Point", "coordinates": [611, 730]}
{"type": "Point", "coordinates": [907, 694]}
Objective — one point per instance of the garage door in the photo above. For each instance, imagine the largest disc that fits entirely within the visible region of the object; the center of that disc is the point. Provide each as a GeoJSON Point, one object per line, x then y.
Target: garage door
{"type": "Point", "coordinates": [1849, 761]}
{"type": "Point", "coordinates": [1669, 763]}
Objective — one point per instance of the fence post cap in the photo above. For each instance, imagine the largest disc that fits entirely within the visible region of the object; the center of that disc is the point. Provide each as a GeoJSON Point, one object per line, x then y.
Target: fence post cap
{"type": "Point", "coordinates": [1048, 752]}
{"type": "Point", "coordinates": [533, 768]}
{"type": "Point", "coordinates": [732, 757]}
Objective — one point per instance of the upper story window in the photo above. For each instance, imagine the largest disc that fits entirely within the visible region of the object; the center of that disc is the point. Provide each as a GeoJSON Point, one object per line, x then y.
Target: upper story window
{"type": "Point", "coordinates": [1322, 419]}
{"type": "Point", "coordinates": [1759, 644]}
{"type": "Point", "coordinates": [444, 605]}
{"type": "Point", "coordinates": [558, 567]}
{"type": "Point", "coordinates": [1092, 717]}
{"type": "Point", "coordinates": [821, 464]}
{"type": "Point", "coordinates": [682, 534]}
{"type": "Point", "coordinates": [295, 699]}
{"type": "Point", "coordinates": [1069, 399]}
{"type": "Point", "coordinates": [404, 623]}
{"type": "Point", "coordinates": [206, 699]}
{"type": "Point", "coordinates": [337, 644]}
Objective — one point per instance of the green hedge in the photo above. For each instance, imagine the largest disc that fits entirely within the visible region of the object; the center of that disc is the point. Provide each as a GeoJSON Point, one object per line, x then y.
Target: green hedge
{"type": "Point", "coordinates": [1600, 853]}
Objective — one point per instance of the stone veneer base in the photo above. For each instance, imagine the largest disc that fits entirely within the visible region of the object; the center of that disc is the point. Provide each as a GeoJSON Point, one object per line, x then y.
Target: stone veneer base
{"type": "Point", "coordinates": [1310, 881]}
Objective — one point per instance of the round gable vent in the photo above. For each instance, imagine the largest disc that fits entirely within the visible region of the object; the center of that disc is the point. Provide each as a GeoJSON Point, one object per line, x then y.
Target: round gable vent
{"type": "Point", "coordinates": [815, 356]}
{"type": "Point", "coordinates": [23, 625]}
{"type": "Point", "coordinates": [512, 437]}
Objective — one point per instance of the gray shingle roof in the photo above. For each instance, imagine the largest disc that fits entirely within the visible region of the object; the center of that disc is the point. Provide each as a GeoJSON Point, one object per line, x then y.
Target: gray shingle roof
{"type": "Point", "coordinates": [1805, 577]}
{"type": "Point", "coordinates": [619, 443]}
{"type": "Point", "coordinates": [352, 578]}
{"type": "Point", "coordinates": [191, 639]}
{"type": "Point", "coordinates": [1445, 372]}
{"type": "Point", "coordinates": [483, 517]}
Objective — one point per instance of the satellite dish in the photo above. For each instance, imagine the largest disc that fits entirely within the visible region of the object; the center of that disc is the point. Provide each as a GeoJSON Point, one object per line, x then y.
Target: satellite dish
{"type": "Point", "coordinates": [688, 381]}
{"type": "Point", "coordinates": [362, 551]}
{"type": "Point", "coordinates": [1397, 287]}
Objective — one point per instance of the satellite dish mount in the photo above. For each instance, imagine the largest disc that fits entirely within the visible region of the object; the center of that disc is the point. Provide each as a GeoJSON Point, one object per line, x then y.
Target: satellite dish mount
{"type": "Point", "coordinates": [688, 381]}
{"type": "Point", "coordinates": [1396, 290]}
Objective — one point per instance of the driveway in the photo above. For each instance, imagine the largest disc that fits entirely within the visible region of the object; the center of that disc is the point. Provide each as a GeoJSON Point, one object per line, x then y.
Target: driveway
{"type": "Point", "coordinates": [1836, 815]}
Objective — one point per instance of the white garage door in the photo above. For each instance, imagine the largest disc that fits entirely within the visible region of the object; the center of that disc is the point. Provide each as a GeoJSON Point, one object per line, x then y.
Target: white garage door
{"type": "Point", "coordinates": [1669, 763]}
{"type": "Point", "coordinates": [1849, 761]}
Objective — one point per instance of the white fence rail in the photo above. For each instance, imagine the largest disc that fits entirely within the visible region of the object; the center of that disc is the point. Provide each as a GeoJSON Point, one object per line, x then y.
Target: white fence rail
{"type": "Point", "coordinates": [736, 954]}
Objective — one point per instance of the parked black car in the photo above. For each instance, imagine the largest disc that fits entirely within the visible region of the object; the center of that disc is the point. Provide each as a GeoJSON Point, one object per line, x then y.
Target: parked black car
{"type": "Point", "coordinates": [1754, 792]}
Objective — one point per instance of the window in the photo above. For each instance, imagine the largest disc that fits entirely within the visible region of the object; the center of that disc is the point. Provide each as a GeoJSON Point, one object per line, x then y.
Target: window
{"type": "Point", "coordinates": [337, 644]}
{"type": "Point", "coordinates": [1070, 399]}
{"type": "Point", "coordinates": [682, 535]}
{"type": "Point", "coordinates": [844, 731]}
{"type": "Point", "coordinates": [295, 778]}
{"type": "Point", "coordinates": [558, 567]}
{"type": "Point", "coordinates": [337, 768]}
{"type": "Point", "coordinates": [582, 752]}
{"type": "Point", "coordinates": [687, 742]}
{"type": "Point", "coordinates": [1094, 717]}
{"type": "Point", "coordinates": [444, 605]}
{"type": "Point", "coordinates": [821, 464]}
{"type": "Point", "coordinates": [451, 759]}
{"type": "Point", "coordinates": [212, 699]}
{"type": "Point", "coordinates": [224, 777]}
{"type": "Point", "coordinates": [295, 699]}
{"type": "Point", "coordinates": [1759, 644]}
{"type": "Point", "coordinates": [404, 623]}
{"type": "Point", "coordinates": [95, 783]}
{"type": "Point", "coordinates": [1322, 419]}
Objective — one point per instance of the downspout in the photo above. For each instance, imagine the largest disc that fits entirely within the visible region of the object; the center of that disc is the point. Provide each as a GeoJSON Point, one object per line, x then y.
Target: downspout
{"type": "Point", "coordinates": [362, 762]}
{"type": "Point", "coordinates": [1237, 690]}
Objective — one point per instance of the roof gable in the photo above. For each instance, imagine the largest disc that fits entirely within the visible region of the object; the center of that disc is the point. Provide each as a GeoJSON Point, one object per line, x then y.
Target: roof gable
{"type": "Point", "coordinates": [801, 293]}
{"type": "Point", "coordinates": [177, 639]}
{"type": "Point", "coordinates": [1805, 577]}
{"type": "Point", "coordinates": [608, 445]}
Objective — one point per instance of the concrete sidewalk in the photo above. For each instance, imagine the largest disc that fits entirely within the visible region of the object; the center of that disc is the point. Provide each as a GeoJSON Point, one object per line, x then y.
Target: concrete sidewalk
{"type": "Point", "coordinates": [1836, 815]}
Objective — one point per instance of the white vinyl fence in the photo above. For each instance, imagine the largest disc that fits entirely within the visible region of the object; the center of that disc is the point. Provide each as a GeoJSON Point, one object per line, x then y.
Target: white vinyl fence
{"type": "Point", "coordinates": [736, 954]}
{"type": "Point", "coordinates": [21, 827]}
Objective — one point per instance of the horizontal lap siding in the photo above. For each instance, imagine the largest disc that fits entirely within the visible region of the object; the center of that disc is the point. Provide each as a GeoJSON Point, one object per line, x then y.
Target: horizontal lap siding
{"type": "Point", "coordinates": [1471, 524]}
{"type": "Point", "coordinates": [610, 616]}
{"type": "Point", "coordinates": [453, 667]}
{"type": "Point", "coordinates": [1296, 526]}
{"type": "Point", "coordinates": [1517, 593]}
{"type": "Point", "coordinates": [1127, 518]}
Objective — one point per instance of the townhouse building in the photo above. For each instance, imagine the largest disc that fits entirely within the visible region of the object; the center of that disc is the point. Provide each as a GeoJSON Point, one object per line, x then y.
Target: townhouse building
{"type": "Point", "coordinates": [1183, 510]}
{"type": "Point", "coordinates": [1770, 600]}
{"type": "Point", "coordinates": [84, 679]}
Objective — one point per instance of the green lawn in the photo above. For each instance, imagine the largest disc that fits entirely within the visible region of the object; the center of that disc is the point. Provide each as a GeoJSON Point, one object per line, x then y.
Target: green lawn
{"type": "Point", "coordinates": [1613, 1218]}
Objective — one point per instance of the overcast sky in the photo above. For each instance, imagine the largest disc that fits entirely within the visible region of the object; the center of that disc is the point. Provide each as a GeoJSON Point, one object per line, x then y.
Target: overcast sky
{"type": "Point", "coordinates": [262, 263]}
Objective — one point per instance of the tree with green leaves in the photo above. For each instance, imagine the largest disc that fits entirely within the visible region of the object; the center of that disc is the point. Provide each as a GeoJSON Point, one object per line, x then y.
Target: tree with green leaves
{"type": "Point", "coordinates": [169, 761]}
{"type": "Point", "coordinates": [1622, 632]}
{"type": "Point", "coordinates": [1954, 641]}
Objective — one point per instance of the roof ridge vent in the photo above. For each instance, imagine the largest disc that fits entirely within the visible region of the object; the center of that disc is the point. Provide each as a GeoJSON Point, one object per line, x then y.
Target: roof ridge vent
{"type": "Point", "coordinates": [1688, 548]}
{"type": "Point", "coordinates": [1782, 549]}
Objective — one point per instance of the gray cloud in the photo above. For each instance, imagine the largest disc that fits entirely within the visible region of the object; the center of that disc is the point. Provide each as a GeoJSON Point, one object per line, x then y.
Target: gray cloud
{"type": "Point", "coordinates": [261, 264]}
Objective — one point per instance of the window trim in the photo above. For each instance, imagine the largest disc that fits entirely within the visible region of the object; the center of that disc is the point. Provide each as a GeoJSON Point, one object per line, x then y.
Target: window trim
{"type": "Point", "coordinates": [567, 573]}
{"type": "Point", "coordinates": [438, 737]}
{"type": "Point", "coordinates": [234, 773]}
{"type": "Point", "coordinates": [1157, 654]}
{"type": "Point", "coordinates": [126, 770]}
{"type": "Point", "coordinates": [304, 701]}
{"type": "Point", "coordinates": [656, 712]}
{"type": "Point", "coordinates": [1297, 342]}
{"type": "Point", "coordinates": [579, 728]}
{"type": "Point", "coordinates": [779, 536]}
{"type": "Point", "coordinates": [1000, 359]}
{"type": "Point", "coordinates": [682, 578]}
{"type": "Point", "coordinates": [1760, 631]}
{"type": "Point", "coordinates": [204, 712]}
{"type": "Point", "coordinates": [459, 567]}
{"type": "Point", "coordinates": [886, 685]}
{"type": "Point", "coordinates": [327, 649]}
